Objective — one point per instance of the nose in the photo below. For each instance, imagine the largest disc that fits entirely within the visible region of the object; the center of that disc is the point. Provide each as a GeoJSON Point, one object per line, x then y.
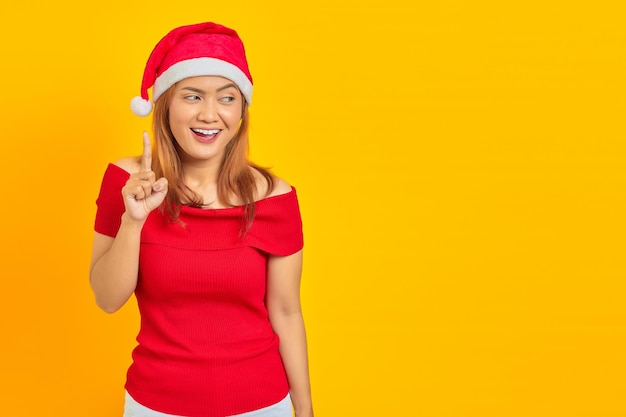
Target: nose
{"type": "Point", "coordinates": [208, 112]}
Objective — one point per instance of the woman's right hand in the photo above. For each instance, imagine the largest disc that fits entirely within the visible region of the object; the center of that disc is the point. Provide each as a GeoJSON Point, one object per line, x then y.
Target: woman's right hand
{"type": "Point", "coordinates": [142, 193]}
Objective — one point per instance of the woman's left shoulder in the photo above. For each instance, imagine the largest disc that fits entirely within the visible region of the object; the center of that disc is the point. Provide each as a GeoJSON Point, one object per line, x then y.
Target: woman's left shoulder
{"type": "Point", "coordinates": [280, 187]}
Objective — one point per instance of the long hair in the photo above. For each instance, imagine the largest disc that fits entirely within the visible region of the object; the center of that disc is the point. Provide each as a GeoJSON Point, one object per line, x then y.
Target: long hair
{"type": "Point", "coordinates": [235, 179]}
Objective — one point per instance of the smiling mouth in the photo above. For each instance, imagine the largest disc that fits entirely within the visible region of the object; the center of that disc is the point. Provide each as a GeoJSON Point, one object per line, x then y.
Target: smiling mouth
{"type": "Point", "coordinates": [206, 133]}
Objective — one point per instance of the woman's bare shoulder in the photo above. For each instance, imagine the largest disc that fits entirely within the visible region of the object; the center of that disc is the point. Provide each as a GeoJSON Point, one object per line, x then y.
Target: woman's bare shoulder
{"type": "Point", "coordinates": [129, 164]}
{"type": "Point", "coordinates": [279, 185]}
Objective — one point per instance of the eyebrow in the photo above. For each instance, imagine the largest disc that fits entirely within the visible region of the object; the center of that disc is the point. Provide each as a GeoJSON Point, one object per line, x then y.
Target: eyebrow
{"type": "Point", "coordinates": [224, 87]}
{"type": "Point", "coordinates": [200, 91]}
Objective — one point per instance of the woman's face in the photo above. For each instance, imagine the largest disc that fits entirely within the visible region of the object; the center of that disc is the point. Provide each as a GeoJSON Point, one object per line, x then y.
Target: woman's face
{"type": "Point", "coordinates": [204, 116]}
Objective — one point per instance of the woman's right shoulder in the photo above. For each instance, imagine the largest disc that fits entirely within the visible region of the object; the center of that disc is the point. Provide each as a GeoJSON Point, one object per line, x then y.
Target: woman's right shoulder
{"type": "Point", "coordinates": [129, 164]}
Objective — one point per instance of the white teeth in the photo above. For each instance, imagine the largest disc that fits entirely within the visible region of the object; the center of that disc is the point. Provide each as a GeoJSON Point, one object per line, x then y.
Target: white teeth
{"type": "Point", "coordinates": [207, 132]}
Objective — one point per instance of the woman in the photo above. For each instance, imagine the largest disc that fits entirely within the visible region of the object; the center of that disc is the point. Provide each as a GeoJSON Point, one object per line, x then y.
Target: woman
{"type": "Point", "coordinates": [210, 244]}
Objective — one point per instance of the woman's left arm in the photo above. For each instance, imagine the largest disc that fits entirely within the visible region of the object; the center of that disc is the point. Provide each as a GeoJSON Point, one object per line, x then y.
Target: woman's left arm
{"type": "Point", "coordinates": [285, 313]}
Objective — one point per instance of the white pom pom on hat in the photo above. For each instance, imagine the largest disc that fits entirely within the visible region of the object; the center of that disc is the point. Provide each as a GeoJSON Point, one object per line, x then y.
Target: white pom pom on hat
{"type": "Point", "coordinates": [140, 106]}
{"type": "Point", "coordinates": [191, 51]}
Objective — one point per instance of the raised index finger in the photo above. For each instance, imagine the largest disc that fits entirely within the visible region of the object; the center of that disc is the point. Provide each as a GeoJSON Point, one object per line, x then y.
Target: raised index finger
{"type": "Point", "coordinates": [146, 156]}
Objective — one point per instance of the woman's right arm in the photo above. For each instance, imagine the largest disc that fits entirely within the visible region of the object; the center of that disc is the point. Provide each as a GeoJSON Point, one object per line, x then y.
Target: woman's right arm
{"type": "Point", "coordinates": [115, 260]}
{"type": "Point", "coordinates": [115, 265]}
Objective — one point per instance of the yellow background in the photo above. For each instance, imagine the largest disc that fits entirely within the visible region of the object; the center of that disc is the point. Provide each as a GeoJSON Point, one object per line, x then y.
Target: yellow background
{"type": "Point", "coordinates": [460, 167]}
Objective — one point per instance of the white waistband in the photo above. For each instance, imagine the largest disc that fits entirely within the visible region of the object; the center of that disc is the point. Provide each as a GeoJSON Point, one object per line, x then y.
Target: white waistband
{"type": "Point", "coordinates": [281, 409]}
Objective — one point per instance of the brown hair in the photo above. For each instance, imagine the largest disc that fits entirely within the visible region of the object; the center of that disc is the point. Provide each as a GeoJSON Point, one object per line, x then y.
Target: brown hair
{"type": "Point", "coordinates": [235, 177]}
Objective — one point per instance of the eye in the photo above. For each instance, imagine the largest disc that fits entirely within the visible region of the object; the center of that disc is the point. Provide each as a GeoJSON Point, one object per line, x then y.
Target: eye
{"type": "Point", "coordinates": [192, 97]}
{"type": "Point", "coordinates": [228, 99]}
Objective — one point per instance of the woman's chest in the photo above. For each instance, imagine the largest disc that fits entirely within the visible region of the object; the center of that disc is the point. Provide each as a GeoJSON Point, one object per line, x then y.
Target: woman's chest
{"type": "Point", "coordinates": [168, 274]}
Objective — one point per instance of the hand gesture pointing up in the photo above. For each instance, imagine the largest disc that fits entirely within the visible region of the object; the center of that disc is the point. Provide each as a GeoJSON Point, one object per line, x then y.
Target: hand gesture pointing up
{"type": "Point", "coordinates": [142, 193]}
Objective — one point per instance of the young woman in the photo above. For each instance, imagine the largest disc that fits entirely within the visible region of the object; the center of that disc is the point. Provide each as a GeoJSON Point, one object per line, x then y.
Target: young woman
{"type": "Point", "coordinates": [210, 243]}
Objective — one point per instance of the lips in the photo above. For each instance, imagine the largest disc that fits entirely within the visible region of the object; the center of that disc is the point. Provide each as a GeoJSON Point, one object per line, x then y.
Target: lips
{"type": "Point", "coordinates": [206, 135]}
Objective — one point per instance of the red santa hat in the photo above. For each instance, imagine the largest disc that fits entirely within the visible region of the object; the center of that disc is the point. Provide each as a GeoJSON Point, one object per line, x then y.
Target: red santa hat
{"type": "Point", "coordinates": [191, 51]}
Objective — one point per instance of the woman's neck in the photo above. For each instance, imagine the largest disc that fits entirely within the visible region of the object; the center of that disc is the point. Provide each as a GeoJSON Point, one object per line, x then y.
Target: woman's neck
{"type": "Point", "coordinates": [202, 179]}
